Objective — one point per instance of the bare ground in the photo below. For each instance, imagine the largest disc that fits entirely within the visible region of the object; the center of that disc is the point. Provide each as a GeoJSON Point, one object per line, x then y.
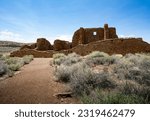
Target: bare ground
{"type": "Point", "coordinates": [33, 85]}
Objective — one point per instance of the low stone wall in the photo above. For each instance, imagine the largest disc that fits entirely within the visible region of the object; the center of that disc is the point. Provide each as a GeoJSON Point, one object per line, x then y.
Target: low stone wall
{"type": "Point", "coordinates": [114, 46]}
{"type": "Point", "coordinates": [110, 46]}
{"type": "Point", "coordinates": [35, 53]}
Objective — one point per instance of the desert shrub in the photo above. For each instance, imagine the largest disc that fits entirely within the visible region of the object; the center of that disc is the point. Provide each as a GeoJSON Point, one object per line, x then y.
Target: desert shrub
{"type": "Point", "coordinates": [58, 58]}
{"type": "Point", "coordinates": [14, 67]}
{"type": "Point", "coordinates": [3, 68]}
{"type": "Point", "coordinates": [13, 60]}
{"type": "Point", "coordinates": [27, 59]}
{"type": "Point", "coordinates": [112, 98]}
{"type": "Point", "coordinates": [63, 73]}
{"type": "Point", "coordinates": [101, 58]}
{"type": "Point", "coordinates": [71, 59]}
{"type": "Point", "coordinates": [134, 67]}
{"type": "Point", "coordinates": [83, 80]}
{"type": "Point", "coordinates": [97, 54]}
{"type": "Point", "coordinates": [4, 57]}
{"type": "Point", "coordinates": [10, 73]}
{"type": "Point", "coordinates": [66, 60]}
{"type": "Point", "coordinates": [122, 68]}
{"type": "Point", "coordinates": [58, 55]}
{"type": "Point", "coordinates": [14, 63]}
{"type": "Point", "coordinates": [101, 61]}
{"type": "Point", "coordinates": [135, 89]}
{"type": "Point", "coordinates": [1, 55]}
{"type": "Point", "coordinates": [103, 81]}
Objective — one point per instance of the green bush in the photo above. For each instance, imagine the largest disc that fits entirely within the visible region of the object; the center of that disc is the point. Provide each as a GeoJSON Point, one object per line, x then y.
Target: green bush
{"type": "Point", "coordinates": [97, 54]}
{"type": "Point", "coordinates": [101, 60]}
{"type": "Point", "coordinates": [12, 60]}
{"type": "Point", "coordinates": [27, 59]}
{"type": "Point", "coordinates": [72, 58]}
{"type": "Point", "coordinates": [68, 60]}
{"type": "Point", "coordinates": [58, 55]}
{"type": "Point", "coordinates": [58, 58]}
{"type": "Point", "coordinates": [11, 64]}
{"type": "Point", "coordinates": [14, 67]}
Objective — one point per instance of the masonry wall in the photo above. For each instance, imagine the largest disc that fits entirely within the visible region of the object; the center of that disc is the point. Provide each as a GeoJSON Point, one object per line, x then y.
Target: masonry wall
{"type": "Point", "coordinates": [87, 35]}
{"type": "Point", "coordinates": [110, 46]}
{"type": "Point", "coordinates": [114, 46]}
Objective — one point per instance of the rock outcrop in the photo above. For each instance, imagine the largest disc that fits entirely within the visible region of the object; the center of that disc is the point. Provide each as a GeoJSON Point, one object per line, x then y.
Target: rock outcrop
{"type": "Point", "coordinates": [43, 44]}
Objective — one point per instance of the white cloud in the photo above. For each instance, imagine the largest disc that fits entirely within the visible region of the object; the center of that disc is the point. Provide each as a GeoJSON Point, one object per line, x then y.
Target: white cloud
{"type": "Point", "coordinates": [10, 36]}
{"type": "Point", "coordinates": [64, 37]}
{"type": "Point", "coordinates": [126, 36]}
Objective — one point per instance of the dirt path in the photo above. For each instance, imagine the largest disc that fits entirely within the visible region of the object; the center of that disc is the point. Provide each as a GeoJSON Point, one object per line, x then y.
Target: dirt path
{"type": "Point", "coordinates": [33, 85]}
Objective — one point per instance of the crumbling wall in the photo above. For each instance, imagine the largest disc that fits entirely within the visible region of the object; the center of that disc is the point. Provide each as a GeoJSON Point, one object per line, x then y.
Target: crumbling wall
{"type": "Point", "coordinates": [35, 53]}
{"type": "Point", "coordinates": [76, 38]}
{"type": "Point", "coordinates": [87, 35]}
{"type": "Point", "coordinates": [93, 35]}
{"type": "Point", "coordinates": [25, 47]}
{"type": "Point", "coordinates": [61, 45]}
{"type": "Point", "coordinates": [110, 46]}
{"type": "Point", "coordinates": [43, 44]}
{"type": "Point", "coordinates": [114, 46]}
{"type": "Point", "coordinates": [33, 46]}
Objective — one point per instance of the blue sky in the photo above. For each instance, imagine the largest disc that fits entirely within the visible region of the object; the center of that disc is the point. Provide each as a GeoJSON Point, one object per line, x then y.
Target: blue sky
{"type": "Point", "coordinates": [27, 20]}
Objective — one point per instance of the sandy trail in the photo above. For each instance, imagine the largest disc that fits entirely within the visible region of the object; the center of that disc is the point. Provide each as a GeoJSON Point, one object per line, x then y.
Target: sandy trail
{"type": "Point", "coordinates": [33, 85]}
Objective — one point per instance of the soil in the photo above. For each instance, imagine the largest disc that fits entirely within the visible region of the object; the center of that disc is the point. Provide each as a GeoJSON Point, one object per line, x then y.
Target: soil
{"type": "Point", "coordinates": [35, 84]}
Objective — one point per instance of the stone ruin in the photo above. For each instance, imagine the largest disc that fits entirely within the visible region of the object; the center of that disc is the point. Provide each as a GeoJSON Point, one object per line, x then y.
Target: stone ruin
{"type": "Point", "coordinates": [87, 35]}
{"type": "Point", "coordinates": [84, 41]}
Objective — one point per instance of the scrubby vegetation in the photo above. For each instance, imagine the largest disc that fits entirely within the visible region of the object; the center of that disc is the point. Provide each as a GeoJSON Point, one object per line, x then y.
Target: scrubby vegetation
{"type": "Point", "coordinates": [8, 65]}
{"type": "Point", "coordinates": [101, 78]}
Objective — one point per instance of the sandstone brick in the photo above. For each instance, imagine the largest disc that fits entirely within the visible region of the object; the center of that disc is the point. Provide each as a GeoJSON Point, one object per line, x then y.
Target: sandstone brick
{"type": "Point", "coordinates": [25, 47]}
{"type": "Point", "coordinates": [33, 46]}
{"type": "Point", "coordinates": [61, 45]}
{"type": "Point", "coordinates": [43, 44]}
{"type": "Point", "coordinates": [87, 35]}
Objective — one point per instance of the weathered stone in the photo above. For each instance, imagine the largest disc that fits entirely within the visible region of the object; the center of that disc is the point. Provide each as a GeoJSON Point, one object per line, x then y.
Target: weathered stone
{"type": "Point", "coordinates": [86, 40]}
{"type": "Point", "coordinates": [43, 44]}
{"type": "Point", "coordinates": [33, 46]}
{"type": "Point", "coordinates": [25, 47]}
{"type": "Point", "coordinates": [87, 35]}
{"type": "Point", "coordinates": [61, 45]}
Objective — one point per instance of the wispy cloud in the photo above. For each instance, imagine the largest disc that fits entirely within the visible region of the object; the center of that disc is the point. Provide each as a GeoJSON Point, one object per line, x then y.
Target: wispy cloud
{"type": "Point", "coordinates": [126, 36]}
{"type": "Point", "coordinates": [11, 36]}
{"type": "Point", "coordinates": [64, 37]}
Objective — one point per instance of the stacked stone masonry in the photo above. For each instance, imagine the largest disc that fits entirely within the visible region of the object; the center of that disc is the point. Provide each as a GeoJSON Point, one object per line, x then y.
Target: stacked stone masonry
{"type": "Point", "coordinates": [84, 41]}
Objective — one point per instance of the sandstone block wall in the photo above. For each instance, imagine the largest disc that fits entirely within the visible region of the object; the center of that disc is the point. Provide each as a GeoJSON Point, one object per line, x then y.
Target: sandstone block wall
{"type": "Point", "coordinates": [43, 44]}
{"type": "Point", "coordinates": [61, 45]}
{"type": "Point", "coordinates": [87, 35]}
{"type": "Point", "coordinates": [84, 41]}
{"type": "Point", "coordinates": [114, 46]}
{"type": "Point", "coordinates": [25, 47]}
